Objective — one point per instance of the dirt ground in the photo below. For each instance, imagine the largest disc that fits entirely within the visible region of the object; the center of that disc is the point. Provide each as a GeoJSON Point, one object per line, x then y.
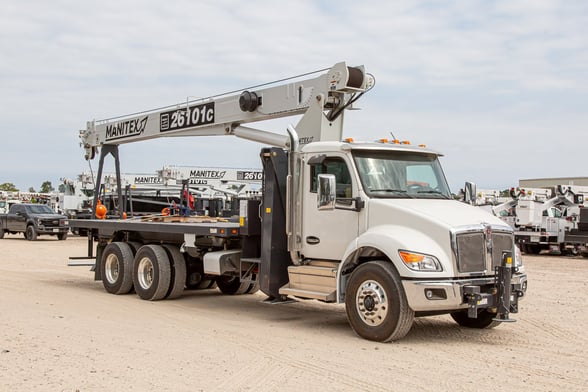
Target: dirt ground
{"type": "Point", "coordinates": [60, 331]}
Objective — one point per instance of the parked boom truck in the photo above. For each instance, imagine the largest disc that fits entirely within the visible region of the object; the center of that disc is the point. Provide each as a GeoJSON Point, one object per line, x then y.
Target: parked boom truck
{"type": "Point", "coordinates": [372, 225]}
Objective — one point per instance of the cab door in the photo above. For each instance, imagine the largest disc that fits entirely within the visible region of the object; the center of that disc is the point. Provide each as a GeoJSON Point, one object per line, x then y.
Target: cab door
{"type": "Point", "coordinates": [327, 233]}
{"type": "Point", "coordinates": [16, 219]}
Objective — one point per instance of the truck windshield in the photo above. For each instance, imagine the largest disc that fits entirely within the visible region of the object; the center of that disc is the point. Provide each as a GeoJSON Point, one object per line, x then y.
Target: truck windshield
{"type": "Point", "coordinates": [40, 209]}
{"type": "Point", "coordinates": [398, 174]}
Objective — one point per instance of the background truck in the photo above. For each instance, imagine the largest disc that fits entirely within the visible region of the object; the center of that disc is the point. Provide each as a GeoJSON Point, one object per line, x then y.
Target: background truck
{"type": "Point", "coordinates": [33, 220]}
{"type": "Point", "coordinates": [542, 217]}
{"type": "Point", "coordinates": [372, 225]}
{"type": "Point", "coordinates": [577, 238]}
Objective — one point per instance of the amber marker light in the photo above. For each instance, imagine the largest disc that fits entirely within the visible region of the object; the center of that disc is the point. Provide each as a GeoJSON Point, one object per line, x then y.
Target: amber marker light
{"type": "Point", "coordinates": [410, 258]}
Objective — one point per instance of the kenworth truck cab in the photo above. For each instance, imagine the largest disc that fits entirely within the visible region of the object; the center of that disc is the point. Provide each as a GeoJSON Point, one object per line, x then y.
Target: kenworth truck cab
{"type": "Point", "coordinates": [372, 225]}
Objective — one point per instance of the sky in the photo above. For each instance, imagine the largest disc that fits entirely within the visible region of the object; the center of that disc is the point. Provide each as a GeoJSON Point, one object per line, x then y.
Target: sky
{"type": "Point", "coordinates": [499, 87]}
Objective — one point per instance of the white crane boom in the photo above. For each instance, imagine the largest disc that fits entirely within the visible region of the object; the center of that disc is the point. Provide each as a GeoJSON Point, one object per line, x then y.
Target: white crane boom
{"type": "Point", "coordinates": [321, 100]}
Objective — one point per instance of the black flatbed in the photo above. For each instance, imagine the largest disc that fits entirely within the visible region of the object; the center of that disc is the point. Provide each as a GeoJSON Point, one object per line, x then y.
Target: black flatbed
{"type": "Point", "coordinates": [107, 227]}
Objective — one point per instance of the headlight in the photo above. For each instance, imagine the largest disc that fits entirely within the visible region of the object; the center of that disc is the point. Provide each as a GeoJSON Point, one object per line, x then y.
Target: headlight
{"type": "Point", "coordinates": [419, 261]}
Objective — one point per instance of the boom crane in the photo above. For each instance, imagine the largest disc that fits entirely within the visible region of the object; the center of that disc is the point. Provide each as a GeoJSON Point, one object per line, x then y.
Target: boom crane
{"type": "Point", "coordinates": [322, 101]}
{"type": "Point", "coordinates": [371, 224]}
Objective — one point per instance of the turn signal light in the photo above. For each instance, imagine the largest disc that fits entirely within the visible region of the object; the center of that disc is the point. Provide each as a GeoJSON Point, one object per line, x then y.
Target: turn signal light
{"type": "Point", "coordinates": [411, 257]}
{"type": "Point", "coordinates": [420, 262]}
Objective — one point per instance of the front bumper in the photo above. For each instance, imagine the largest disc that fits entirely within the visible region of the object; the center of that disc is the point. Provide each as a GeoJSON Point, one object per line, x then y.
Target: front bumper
{"type": "Point", "coordinates": [52, 230]}
{"type": "Point", "coordinates": [450, 295]}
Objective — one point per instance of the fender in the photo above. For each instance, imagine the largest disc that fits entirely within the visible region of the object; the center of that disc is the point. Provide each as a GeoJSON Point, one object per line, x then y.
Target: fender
{"type": "Point", "coordinates": [385, 241]}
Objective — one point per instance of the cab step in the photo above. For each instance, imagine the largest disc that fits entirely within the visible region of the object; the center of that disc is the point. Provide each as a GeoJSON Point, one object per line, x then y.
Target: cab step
{"type": "Point", "coordinates": [317, 280]}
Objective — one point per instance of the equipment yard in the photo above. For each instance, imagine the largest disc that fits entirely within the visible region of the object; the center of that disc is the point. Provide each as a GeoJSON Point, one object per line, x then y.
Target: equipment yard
{"type": "Point", "coordinates": [60, 331]}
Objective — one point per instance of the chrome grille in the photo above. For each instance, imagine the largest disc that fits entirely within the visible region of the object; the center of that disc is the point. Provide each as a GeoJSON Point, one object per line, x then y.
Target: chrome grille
{"type": "Point", "coordinates": [500, 242]}
{"type": "Point", "coordinates": [472, 253]}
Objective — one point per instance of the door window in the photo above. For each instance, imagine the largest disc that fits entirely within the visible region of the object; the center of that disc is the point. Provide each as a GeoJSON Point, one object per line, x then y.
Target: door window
{"type": "Point", "coordinates": [339, 169]}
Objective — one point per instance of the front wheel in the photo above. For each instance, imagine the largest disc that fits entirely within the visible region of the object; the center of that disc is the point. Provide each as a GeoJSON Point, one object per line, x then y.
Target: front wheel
{"type": "Point", "coordinates": [31, 233]}
{"type": "Point", "coordinates": [376, 304]}
{"type": "Point", "coordinates": [61, 236]}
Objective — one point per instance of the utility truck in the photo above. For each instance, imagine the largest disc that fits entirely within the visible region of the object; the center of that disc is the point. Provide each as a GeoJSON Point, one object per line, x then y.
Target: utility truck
{"type": "Point", "coordinates": [541, 217]}
{"type": "Point", "coordinates": [577, 238]}
{"type": "Point", "coordinates": [372, 224]}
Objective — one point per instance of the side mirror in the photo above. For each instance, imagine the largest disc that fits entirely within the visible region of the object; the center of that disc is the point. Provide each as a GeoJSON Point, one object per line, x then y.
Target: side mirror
{"type": "Point", "coordinates": [326, 192]}
{"type": "Point", "coordinates": [470, 193]}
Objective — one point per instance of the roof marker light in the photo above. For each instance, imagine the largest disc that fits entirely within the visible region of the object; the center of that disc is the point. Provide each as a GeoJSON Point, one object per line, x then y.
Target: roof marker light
{"type": "Point", "coordinates": [405, 142]}
{"type": "Point", "coordinates": [383, 140]}
{"type": "Point", "coordinates": [348, 140]}
{"type": "Point", "coordinates": [395, 141]}
{"type": "Point", "coordinates": [423, 145]}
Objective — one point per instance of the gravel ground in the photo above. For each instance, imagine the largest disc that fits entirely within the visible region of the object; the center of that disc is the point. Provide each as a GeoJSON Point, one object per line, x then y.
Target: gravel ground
{"type": "Point", "coordinates": [60, 331]}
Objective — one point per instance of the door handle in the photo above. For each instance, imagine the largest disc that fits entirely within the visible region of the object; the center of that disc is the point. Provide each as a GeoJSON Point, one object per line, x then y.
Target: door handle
{"type": "Point", "coordinates": [312, 240]}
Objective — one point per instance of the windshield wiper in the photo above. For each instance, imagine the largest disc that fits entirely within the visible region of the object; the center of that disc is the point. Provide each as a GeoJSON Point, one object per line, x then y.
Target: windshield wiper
{"type": "Point", "coordinates": [432, 192]}
{"type": "Point", "coordinates": [388, 190]}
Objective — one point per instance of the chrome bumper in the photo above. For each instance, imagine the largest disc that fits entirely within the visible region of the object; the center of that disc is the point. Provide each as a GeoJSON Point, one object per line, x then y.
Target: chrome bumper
{"type": "Point", "coordinates": [439, 295]}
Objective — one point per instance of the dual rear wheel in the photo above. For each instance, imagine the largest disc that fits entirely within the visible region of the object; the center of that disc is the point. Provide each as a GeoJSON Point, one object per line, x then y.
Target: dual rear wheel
{"type": "Point", "coordinates": [155, 272]}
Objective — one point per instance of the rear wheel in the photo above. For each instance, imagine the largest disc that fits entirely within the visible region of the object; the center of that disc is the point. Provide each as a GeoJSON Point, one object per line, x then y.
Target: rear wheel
{"type": "Point", "coordinates": [178, 276]}
{"type": "Point", "coordinates": [152, 272]}
{"type": "Point", "coordinates": [1, 234]}
{"type": "Point", "coordinates": [31, 233]}
{"type": "Point", "coordinates": [376, 304]}
{"type": "Point", "coordinates": [117, 268]}
{"type": "Point", "coordinates": [483, 321]}
{"type": "Point", "coordinates": [61, 236]}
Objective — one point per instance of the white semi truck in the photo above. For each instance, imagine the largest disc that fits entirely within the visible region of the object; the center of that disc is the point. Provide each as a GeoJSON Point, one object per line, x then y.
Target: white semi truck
{"type": "Point", "coordinates": [372, 225]}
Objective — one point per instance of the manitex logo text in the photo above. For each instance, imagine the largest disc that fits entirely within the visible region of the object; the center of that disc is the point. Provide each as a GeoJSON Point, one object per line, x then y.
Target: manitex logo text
{"type": "Point", "coordinates": [127, 128]}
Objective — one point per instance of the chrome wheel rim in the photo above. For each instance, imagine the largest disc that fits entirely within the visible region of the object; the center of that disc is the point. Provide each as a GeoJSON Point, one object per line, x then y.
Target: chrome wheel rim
{"type": "Point", "coordinates": [111, 268]}
{"type": "Point", "coordinates": [145, 273]}
{"type": "Point", "coordinates": [371, 303]}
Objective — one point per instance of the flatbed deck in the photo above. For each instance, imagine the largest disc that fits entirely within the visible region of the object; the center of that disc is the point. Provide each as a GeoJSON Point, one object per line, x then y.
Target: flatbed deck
{"type": "Point", "coordinates": [219, 227]}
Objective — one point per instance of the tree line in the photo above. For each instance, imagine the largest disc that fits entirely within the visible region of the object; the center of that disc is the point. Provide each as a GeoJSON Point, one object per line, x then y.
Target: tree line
{"type": "Point", "coordinates": [46, 187]}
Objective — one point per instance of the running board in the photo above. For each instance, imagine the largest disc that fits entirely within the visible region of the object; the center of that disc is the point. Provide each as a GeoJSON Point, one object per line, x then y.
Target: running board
{"type": "Point", "coordinates": [316, 281]}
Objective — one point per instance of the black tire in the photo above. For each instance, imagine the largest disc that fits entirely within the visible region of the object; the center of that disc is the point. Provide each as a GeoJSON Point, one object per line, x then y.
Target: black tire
{"type": "Point", "coordinates": [151, 272]}
{"type": "Point", "coordinates": [204, 284]}
{"type": "Point", "coordinates": [31, 233]}
{"type": "Point", "coordinates": [178, 276]}
{"type": "Point", "coordinates": [376, 304]}
{"type": "Point", "coordinates": [253, 288]}
{"type": "Point", "coordinates": [483, 321]}
{"type": "Point", "coordinates": [61, 236]}
{"type": "Point", "coordinates": [117, 268]}
{"type": "Point", "coordinates": [231, 285]}
{"type": "Point", "coordinates": [533, 249]}
{"type": "Point", "coordinates": [135, 246]}
{"type": "Point", "coordinates": [1, 234]}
